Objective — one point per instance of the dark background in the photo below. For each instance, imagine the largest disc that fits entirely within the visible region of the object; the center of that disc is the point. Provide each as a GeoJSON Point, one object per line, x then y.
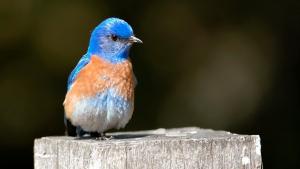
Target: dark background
{"type": "Point", "coordinates": [227, 65]}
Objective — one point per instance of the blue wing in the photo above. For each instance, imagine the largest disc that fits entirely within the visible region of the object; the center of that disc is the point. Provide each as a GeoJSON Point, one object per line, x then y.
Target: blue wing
{"type": "Point", "coordinates": [82, 62]}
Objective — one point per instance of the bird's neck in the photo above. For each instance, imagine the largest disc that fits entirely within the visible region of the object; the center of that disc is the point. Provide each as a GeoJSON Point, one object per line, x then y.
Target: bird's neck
{"type": "Point", "coordinates": [112, 58]}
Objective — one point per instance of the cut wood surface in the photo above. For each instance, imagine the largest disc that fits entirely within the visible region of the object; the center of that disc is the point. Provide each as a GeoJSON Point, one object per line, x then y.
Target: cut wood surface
{"type": "Point", "coordinates": [178, 148]}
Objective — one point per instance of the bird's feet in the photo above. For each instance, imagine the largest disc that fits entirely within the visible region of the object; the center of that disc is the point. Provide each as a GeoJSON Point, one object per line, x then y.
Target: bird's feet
{"type": "Point", "coordinates": [104, 137]}
{"type": "Point", "coordinates": [85, 135]}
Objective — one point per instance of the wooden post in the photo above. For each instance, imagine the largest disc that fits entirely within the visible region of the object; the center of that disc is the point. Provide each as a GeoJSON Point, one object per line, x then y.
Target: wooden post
{"type": "Point", "coordinates": [155, 149]}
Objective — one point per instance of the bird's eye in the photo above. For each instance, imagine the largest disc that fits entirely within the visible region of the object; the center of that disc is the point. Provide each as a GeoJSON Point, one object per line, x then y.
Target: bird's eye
{"type": "Point", "coordinates": [114, 37]}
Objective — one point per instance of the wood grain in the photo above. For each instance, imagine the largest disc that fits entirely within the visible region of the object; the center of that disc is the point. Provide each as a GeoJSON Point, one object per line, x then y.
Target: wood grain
{"type": "Point", "coordinates": [179, 148]}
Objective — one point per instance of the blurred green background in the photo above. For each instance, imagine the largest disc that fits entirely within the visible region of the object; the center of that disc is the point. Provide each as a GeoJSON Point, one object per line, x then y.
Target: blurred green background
{"type": "Point", "coordinates": [227, 65]}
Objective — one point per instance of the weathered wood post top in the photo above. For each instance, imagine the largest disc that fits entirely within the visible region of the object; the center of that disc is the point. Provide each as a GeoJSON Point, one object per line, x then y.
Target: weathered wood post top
{"type": "Point", "coordinates": [156, 149]}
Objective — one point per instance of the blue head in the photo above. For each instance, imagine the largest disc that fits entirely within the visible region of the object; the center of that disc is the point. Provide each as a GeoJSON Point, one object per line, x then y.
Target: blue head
{"type": "Point", "coordinates": [112, 39]}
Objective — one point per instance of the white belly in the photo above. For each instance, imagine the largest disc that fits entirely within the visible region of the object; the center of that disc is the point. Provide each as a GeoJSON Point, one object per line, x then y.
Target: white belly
{"type": "Point", "coordinates": [102, 112]}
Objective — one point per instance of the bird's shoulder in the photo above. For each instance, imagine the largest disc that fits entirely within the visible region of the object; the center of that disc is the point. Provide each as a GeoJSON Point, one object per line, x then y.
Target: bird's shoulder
{"type": "Point", "coordinates": [80, 65]}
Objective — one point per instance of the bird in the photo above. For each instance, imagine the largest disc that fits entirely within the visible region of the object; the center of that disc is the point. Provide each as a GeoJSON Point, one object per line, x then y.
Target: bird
{"type": "Point", "coordinates": [100, 89]}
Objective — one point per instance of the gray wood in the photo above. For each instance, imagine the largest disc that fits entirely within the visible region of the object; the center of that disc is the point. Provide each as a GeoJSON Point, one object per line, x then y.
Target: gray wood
{"type": "Point", "coordinates": [154, 149]}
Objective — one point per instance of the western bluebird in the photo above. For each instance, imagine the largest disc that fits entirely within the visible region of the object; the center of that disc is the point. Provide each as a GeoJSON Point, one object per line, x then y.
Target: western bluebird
{"type": "Point", "coordinates": [100, 89]}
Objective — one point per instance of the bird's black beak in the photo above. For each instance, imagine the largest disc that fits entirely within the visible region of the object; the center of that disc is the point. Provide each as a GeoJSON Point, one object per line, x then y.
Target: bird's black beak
{"type": "Point", "coordinates": [133, 39]}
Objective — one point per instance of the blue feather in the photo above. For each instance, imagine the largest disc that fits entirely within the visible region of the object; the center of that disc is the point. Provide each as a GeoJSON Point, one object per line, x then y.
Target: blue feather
{"type": "Point", "coordinates": [82, 62]}
{"type": "Point", "coordinates": [102, 45]}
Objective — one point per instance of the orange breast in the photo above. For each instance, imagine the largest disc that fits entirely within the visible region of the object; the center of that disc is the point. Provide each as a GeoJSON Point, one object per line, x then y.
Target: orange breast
{"type": "Point", "coordinates": [97, 76]}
